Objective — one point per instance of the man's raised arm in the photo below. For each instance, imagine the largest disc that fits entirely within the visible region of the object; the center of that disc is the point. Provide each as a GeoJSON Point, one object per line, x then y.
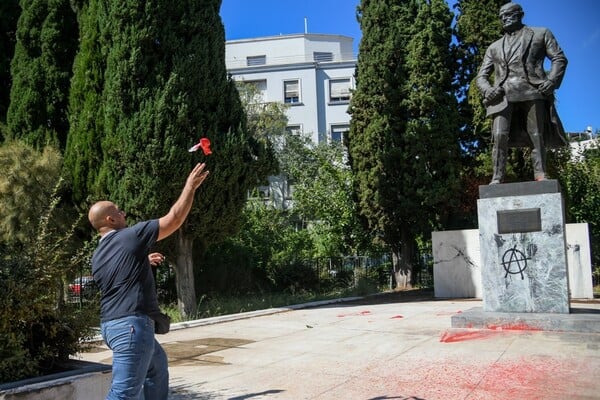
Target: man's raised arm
{"type": "Point", "coordinates": [180, 210]}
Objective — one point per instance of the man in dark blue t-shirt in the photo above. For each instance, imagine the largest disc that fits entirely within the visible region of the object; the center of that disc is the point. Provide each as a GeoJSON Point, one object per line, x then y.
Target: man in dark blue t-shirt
{"type": "Point", "coordinates": [121, 266]}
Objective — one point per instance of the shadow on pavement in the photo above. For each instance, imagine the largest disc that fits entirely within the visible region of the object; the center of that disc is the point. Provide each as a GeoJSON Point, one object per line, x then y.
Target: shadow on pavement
{"type": "Point", "coordinates": [192, 392]}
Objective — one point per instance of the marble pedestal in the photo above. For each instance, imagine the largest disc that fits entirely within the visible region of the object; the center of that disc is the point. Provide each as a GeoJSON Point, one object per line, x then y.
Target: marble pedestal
{"type": "Point", "coordinates": [523, 249]}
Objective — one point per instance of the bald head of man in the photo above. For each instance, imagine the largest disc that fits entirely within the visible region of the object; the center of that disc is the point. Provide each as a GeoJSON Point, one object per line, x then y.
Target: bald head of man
{"type": "Point", "coordinates": [105, 216]}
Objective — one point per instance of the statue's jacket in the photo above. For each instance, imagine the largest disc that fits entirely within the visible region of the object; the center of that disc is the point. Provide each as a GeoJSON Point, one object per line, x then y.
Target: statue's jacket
{"type": "Point", "coordinates": [536, 45]}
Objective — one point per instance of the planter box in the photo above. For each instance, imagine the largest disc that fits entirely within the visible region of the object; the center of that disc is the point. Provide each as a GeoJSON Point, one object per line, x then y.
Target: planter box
{"type": "Point", "coordinates": [82, 381]}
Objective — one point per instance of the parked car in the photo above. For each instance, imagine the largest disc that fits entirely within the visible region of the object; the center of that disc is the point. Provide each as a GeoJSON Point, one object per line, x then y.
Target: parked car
{"type": "Point", "coordinates": [83, 286]}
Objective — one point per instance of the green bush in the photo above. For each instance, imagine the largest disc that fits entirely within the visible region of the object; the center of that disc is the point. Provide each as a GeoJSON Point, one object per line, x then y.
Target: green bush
{"type": "Point", "coordinates": [38, 330]}
{"type": "Point", "coordinates": [38, 254]}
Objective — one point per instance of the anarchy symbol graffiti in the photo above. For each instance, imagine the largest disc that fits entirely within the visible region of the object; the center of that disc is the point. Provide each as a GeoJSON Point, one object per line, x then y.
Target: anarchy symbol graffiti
{"type": "Point", "coordinates": [514, 262]}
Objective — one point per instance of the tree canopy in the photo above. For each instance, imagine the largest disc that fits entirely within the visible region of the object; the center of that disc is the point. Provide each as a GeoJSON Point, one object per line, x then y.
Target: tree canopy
{"type": "Point", "coordinates": [41, 70]}
{"type": "Point", "coordinates": [9, 14]}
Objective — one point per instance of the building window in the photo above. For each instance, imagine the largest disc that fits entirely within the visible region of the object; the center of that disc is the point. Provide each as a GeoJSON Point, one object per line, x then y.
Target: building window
{"type": "Point", "coordinates": [291, 92]}
{"type": "Point", "coordinates": [338, 132]}
{"type": "Point", "coordinates": [322, 57]}
{"type": "Point", "coordinates": [339, 90]}
{"type": "Point", "coordinates": [294, 130]}
{"type": "Point", "coordinates": [252, 61]}
{"type": "Point", "coordinates": [259, 89]}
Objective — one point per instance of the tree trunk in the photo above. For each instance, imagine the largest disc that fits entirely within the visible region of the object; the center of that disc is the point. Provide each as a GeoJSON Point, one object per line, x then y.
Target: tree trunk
{"type": "Point", "coordinates": [184, 275]}
{"type": "Point", "coordinates": [402, 262]}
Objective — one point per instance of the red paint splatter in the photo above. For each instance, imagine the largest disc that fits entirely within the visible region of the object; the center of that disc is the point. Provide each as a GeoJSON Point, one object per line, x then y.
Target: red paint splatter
{"type": "Point", "coordinates": [461, 336]}
{"type": "Point", "coordinates": [397, 317]}
{"type": "Point", "coordinates": [532, 377]}
{"type": "Point", "coordinates": [513, 326]}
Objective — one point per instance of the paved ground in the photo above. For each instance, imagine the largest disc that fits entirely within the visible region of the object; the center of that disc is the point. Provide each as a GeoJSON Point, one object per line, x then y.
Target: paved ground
{"type": "Point", "coordinates": [388, 347]}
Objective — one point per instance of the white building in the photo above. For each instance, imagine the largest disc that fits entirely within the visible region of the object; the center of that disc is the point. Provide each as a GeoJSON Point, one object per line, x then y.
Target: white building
{"type": "Point", "coordinates": [312, 73]}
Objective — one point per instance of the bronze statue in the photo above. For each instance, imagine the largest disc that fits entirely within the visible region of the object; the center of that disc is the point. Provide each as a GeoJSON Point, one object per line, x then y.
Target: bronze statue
{"type": "Point", "coordinates": [520, 99]}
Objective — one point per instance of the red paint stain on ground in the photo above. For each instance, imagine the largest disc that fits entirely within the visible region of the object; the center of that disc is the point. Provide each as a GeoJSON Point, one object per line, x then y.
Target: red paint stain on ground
{"type": "Point", "coordinates": [357, 314]}
{"type": "Point", "coordinates": [534, 377]}
{"type": "Point", "coordinates": [461, 336]}
{"type": "Point", "coordinates": [514, 326]}
{"type": "Point", "coordinates": [397, 317]}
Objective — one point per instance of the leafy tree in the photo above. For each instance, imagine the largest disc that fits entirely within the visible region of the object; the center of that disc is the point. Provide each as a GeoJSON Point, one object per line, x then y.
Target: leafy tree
{"type": "Point", "coordinates": [323, 196]}
{"type": "Point", "coordinates": [275, 244]}
{"type": "Point", "coordinates": [265, 120]}
{"type": "Point", "coordinates": [165, 86]}
{"type": "Point", "coordinates": [27, 181]}
{"type": "Point", "coordinates": [580, 178]}
{"type": "Point", "coordinates": [41, 70]}
{"type": "Point", "coordinates": [402, 145]}
{"type": "Point", "coordinates": [268, 253]}
{"type": "Point", "coordinates": [9, 14]}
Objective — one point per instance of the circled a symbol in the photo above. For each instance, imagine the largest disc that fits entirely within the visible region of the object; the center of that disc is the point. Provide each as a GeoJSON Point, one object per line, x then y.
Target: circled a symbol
{"type": "Point", "coordinates": [514, 262]}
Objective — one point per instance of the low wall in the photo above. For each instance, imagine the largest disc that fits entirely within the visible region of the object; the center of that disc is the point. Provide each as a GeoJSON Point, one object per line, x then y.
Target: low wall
{"type": "Point", "coordinates": [457, 263]}
{"type": "Point", "coordinates": [83, 381]}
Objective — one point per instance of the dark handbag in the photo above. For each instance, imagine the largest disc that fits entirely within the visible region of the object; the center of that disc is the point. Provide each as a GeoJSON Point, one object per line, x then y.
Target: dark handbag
{"type": "Point", "coordinates": [162, 323]}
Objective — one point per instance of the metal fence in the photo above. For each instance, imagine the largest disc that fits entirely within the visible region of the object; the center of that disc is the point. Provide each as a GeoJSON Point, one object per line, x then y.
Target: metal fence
{"type": "Point", "coordinates": [319, 274]}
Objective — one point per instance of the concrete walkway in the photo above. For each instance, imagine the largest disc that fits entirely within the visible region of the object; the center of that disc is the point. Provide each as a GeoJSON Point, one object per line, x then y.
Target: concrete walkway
{"type": "Point", "coordinates": [386, 347]}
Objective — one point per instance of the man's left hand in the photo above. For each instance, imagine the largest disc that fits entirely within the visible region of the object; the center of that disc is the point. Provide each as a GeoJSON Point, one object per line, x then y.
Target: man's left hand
{"type": "Point", "coordinates": [546, 88]}
{"type": "Point", "coordinates": [156, 259]}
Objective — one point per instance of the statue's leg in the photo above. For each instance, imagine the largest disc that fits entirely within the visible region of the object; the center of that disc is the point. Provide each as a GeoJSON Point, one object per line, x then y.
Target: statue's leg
{"type": "Point", "coordinates": [500, 130]}
{"type": "Point", "coordinates": [536, 115]}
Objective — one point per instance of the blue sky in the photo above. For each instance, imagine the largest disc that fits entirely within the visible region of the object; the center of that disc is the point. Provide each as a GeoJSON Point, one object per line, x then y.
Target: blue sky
{"type": "Point", "coordinates": [575, 24]}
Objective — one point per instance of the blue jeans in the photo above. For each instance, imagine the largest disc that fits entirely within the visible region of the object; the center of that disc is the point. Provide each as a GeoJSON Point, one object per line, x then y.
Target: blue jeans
{"type": "Point", "coordinates": [140, 367]}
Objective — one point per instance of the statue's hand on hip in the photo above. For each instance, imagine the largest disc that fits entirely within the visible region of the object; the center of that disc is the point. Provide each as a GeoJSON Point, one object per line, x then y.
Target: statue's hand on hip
{"type": "Point", "coordinates": [547, 87]}
{"type": "Point", "coordinates": [493, 95]}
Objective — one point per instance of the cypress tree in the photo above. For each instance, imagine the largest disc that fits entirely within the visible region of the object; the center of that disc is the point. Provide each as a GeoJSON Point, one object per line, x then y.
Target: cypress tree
{"type": "Point", "coordinates": [83, 153]}
{"type": "Point", "coordinates": [166, 86]}
{"type": "Point", "coordinates": [9, 14]}
{"type": "Point", "coordinates": [430, 162]}
{"type": "Point", "coordinates": [403, 143]}
{"type": "Point", "coordinates": [379, 117]}
{"type": "Point", "coordinates": [41, 71]}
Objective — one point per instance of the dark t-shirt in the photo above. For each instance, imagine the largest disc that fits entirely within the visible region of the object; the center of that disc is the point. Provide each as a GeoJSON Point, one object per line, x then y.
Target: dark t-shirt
{"type": "Point", "coordinates": [122, 271]}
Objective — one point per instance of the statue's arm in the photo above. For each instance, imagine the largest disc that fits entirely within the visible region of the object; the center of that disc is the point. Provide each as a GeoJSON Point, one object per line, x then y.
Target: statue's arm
{"type": "Point", "coordinates": [483, 78]}
{"type": "Point", "coordinates": [558, 60]}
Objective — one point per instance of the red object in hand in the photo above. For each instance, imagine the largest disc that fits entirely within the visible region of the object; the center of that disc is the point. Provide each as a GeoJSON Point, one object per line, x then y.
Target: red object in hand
{"type": "Point", "coordinates": [204, 144]}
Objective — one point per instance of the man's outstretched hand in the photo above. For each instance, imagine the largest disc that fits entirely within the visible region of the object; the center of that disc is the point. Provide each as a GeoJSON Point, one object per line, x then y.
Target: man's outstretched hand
{"type": "Point", "coordinates": [197, 176]}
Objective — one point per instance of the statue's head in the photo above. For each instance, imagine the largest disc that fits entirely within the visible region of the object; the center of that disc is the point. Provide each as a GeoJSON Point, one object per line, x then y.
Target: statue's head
{"type": "Point", "coordinates": [511, 15]}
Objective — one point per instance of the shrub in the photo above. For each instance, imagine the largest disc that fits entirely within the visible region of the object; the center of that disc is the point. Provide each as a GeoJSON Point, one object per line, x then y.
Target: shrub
{"type": "Point", "coordinates": [38, 330]}
{"type": "Point", "coordinates": [38, 253]}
